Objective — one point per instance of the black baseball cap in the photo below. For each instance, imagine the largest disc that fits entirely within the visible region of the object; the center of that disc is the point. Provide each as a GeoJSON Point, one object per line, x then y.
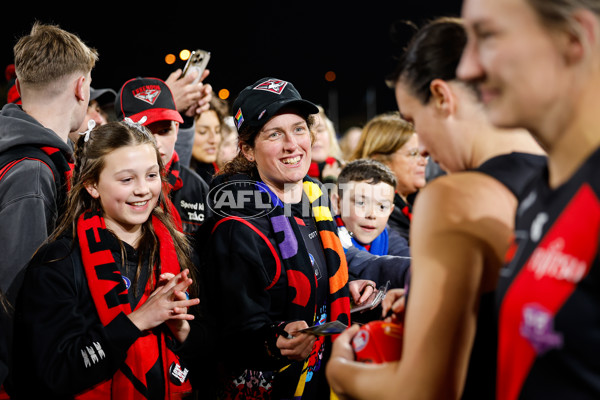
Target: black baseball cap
{"type": "Point", "coordinates": [104, 97]}
{"type": "Point", "coordinates": [149, 97]}
{"type": "Point", "coordinates": [259, 102]}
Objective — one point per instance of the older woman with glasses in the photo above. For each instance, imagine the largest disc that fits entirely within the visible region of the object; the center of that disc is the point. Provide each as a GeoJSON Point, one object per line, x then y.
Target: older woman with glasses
{"type": "Point", "coordinates": [391, 140]}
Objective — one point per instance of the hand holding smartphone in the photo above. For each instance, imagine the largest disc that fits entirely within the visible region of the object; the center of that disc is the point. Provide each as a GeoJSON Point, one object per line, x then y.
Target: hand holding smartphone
{"type": "Point", "coordinates": [197, 62]}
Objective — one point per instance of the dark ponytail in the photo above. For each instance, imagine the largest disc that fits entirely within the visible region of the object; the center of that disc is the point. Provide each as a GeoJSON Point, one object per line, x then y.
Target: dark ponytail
{"type": "Point", "coordinates": [432, 53]}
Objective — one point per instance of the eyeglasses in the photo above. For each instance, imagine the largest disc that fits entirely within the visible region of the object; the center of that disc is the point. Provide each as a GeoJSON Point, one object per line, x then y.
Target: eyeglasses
{"type": "Point", "coordinates": [415, 154]}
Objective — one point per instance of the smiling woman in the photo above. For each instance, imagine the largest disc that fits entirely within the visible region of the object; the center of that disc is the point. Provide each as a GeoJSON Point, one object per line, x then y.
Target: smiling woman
{"type": "Point", "coordinates": [282, 154]}
{"type": "Point", "coordinates": [535, 64]}
{"type": "Point", "coordinates": [208, 133]}
{"type": "Point", "coordinates": [289, 272]}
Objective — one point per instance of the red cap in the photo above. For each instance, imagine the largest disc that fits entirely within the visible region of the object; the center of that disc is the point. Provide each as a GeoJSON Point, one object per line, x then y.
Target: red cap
{"type": "Point", "coordinates": [149, 97]}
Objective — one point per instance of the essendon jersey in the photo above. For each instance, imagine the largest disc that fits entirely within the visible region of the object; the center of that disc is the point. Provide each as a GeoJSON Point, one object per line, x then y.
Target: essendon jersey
{"type": "Point", "coordinates": [549, 293]}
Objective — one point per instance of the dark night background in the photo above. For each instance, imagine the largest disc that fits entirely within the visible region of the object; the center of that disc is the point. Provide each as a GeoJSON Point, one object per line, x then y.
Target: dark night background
{"type": "Point", "coordinates": [295, 41]}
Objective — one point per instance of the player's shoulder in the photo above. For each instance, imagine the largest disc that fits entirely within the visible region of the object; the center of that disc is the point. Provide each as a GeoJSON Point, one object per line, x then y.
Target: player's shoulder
{"type": "Point", "coordinates": [461, 186]}
{"type": "Point", "coordinates": [464, 198]}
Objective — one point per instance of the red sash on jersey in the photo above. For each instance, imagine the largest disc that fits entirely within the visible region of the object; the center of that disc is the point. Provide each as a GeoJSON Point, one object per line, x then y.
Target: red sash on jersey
{"type": "Point", "coordinates": [561, 260]}
{"type": "Point", "coordinates": [110, 297]}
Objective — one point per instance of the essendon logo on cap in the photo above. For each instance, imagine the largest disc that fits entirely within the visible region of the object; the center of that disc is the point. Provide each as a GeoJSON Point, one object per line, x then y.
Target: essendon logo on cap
{"type": "Point", "coordinates": [272, 85]}
{"type": "Point", "coordinates": [148, 93]}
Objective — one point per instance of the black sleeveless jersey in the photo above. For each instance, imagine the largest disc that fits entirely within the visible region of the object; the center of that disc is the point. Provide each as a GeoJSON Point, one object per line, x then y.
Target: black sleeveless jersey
{"type": "Point", "coordinates": [513, 170]}
{"type": "Point", "coordinates": [548, 296]}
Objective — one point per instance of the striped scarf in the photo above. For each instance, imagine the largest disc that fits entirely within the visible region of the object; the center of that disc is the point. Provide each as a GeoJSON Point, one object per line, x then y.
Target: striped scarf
{"type": "Point", "coordinates": [298, 266]}
{"type": "Point", "coordinates": [172, 184]}
{"type": "Point", "coordinates": [109, 293]}
{"type": "Point", "coordinates": [296, 260]}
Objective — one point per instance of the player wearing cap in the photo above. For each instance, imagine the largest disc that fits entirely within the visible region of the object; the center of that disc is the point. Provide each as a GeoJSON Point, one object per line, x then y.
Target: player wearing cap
{"type": "Point", "coordinates": [275, 262]}
{"type": "Point", "coordinates": [149, 101]}
{"type": "Point", "coordinates": [102, 101]}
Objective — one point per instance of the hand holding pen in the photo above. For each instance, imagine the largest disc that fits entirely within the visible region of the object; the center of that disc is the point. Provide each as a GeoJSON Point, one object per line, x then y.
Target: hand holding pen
{"type": "Point", "coordinates": [392, 306]}
{"type": "Point", "coordinates": [296, 346]}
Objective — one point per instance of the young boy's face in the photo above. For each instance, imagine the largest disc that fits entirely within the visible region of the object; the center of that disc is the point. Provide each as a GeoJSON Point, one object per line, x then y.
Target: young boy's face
{"type": "Point", "coordinates": [365, 208]}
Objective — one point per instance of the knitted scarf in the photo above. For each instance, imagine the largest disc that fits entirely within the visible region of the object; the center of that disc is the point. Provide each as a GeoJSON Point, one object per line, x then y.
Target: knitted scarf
{"type": "Point", "coordinates": [173, 183]}
{"type": "Point", "coordinates": [404, 207]}
{"type": "Point", "coordinates": [109, 294]}
{"type": "Point", "coordinates": [298, 267]}
{"type": "Point", "coordinates": [316, 169]}
{"type": "Point", "coordinates": [172, 171]}
{"type": "Point", "coordinates": [296, 260]}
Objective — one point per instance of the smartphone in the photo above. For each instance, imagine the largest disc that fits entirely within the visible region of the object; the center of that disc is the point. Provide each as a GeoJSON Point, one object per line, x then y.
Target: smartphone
{"type": "Point", "coordinates": [197, 61]}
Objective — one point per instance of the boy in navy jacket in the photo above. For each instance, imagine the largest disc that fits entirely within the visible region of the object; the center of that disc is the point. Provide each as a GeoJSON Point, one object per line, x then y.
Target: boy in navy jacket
{"type": "Point", "coordinates": [364, 201]}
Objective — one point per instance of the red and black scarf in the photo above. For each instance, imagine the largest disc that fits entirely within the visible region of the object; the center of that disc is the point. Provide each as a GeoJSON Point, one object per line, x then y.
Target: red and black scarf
{"type": "Point", "coordinates": [316, 169]}
{"type": "Point", "coordinates": [173, 183]}
{"type": "Point", "coordinates": [110, 297]}
{"type": "Point", "coordinates": [296, 259]}
{"type": "Point", "coordinates": [172, 169]}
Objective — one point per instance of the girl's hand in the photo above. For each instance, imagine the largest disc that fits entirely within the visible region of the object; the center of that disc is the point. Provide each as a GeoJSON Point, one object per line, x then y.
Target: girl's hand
{"type": "Point", "coordinates": [168, 303]}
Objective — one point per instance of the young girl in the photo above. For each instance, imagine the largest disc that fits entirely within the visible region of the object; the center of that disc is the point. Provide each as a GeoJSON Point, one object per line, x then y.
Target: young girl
{"type": "Point", "coordinates": [103, 308]}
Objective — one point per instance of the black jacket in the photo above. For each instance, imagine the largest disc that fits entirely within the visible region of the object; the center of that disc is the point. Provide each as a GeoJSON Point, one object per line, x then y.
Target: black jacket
{"type": "Point", "coordinates": [56, 322]}
{"type": "Point", "coordinates": [190, 201]}
{"type": "Point", "coordinates": [240, 260]}
{"type": "Point", "coordinates": [400, 217]}
{"type": "Point", "coordinates": [249, 293]}
{"type": "Point", "coordinates": [30, 198]}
